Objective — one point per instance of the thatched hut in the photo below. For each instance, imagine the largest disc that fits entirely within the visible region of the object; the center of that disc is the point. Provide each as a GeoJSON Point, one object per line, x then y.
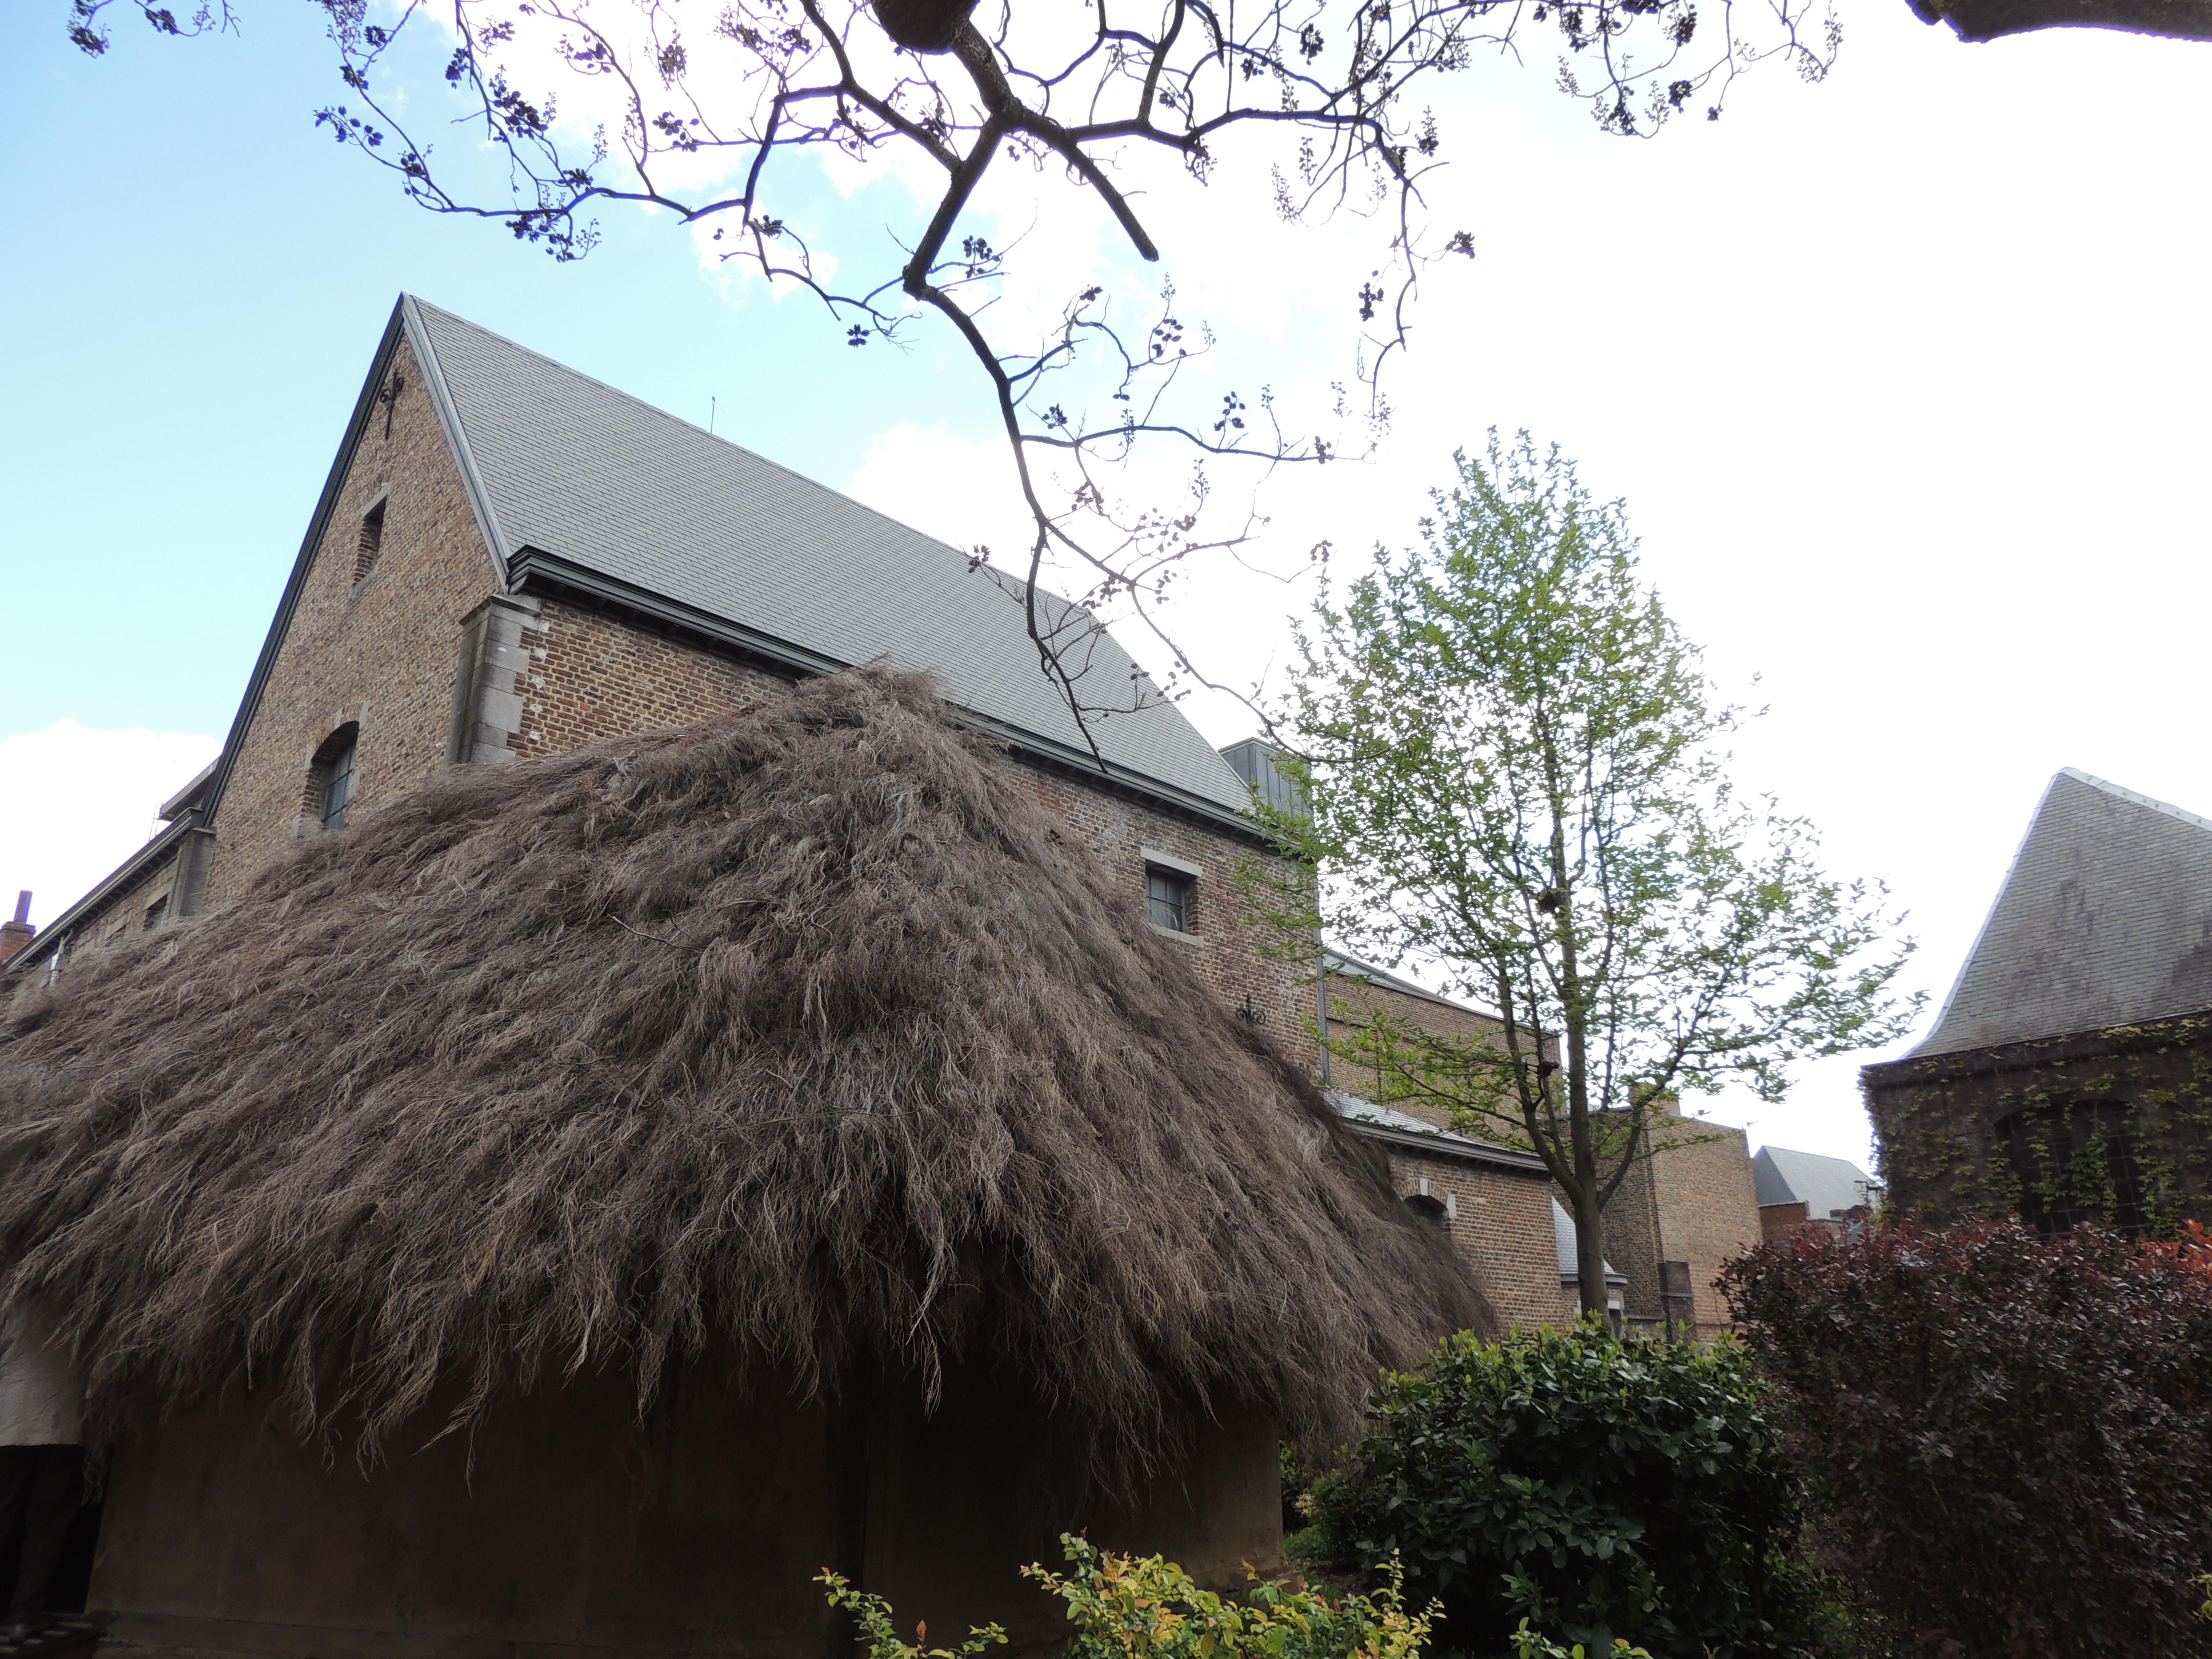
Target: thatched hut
{"type": "Point", "coordinates": [583, 1200]}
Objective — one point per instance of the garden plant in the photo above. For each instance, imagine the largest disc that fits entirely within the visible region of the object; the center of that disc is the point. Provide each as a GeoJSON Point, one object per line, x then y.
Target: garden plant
{"type": "Point", "coordinates": [2009, 1434]}
{"type": "Point", "coordinates": [1599, 1490]}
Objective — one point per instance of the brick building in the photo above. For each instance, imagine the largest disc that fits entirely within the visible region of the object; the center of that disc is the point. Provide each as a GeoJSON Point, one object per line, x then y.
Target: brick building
{"type": "Point", "coordinates": [1676, 1220]}
{"type": "Point", "coordinates": [1798, 1190]}
{"type": "Point", "coordinates": [2068, 1074]}
{"type": "Point", "coordinates": [509, 560]}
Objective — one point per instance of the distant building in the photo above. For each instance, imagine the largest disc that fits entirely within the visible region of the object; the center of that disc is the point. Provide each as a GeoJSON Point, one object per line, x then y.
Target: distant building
{"type": "Point", "coordinates": [1798, 1190]}
{"type": "Point", "coordinates": [1676, 1220]}
{"type": "Point", "coordinates": [1680, 1217]}
{"type": "Point", "coordinates": [2068, 1075]}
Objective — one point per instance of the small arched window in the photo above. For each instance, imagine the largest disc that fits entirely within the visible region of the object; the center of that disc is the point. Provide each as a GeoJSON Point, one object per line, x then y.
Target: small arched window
{"type": "Point", "coordinates": [1429, 1209]}
{"type": "Point", "coordinates": [334, 776]}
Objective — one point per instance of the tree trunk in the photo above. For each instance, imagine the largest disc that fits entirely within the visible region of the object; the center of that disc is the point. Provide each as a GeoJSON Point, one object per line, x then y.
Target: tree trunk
{"type": "Point", "coordinates": [1589, 1250]}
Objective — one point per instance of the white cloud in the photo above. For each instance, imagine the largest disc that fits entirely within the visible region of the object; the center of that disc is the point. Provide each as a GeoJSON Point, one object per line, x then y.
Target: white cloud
{"type": "Point", "coordinates": [76, 802]}
{"type": "Point", "coordinates": [961, 492]}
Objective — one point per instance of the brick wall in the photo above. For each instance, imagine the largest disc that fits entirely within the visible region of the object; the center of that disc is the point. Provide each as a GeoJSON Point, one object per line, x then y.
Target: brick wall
{"type": "Point", "coordinates": [123, 914]}
{"type": "Point", "coordinates": [382, 650]}
{"type": "Point", "coordinates": [1227, 938]}
{"type": "Point", "coordinates": [1353, 1004]}
{"type": "Point", "coordinates": [1693, 1200]}
{"type": "Point", "coordinates": [592, 676]}
{"type": "Point", "coordinates": [1501, 1222]}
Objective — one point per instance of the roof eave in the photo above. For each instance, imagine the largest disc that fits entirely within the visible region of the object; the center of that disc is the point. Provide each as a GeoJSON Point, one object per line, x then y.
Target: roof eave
{"type": "Point", "coordinates": [2160, 1031]}
{"type": "Point", "coordinates": [1467, 1151]}
{"type": "Point", "coordinates": [533, 570]}
{"type": "Point", "coordinates": [117, 880]}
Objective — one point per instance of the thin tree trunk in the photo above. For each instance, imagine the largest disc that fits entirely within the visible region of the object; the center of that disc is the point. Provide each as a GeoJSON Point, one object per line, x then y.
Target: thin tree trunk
{"type": "Point", "coordinates": [1590, 1249]}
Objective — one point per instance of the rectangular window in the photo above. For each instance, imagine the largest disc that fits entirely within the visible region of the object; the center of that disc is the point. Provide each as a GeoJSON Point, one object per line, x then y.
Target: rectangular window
{"type": "Point", "coordinates": [372, 541]}
{"type": "Point", "coordinates": [1167, 893]}
{"type": "Point", "coordinates": [337, 787]}
{"type": "Point", "coordinates": [157, 912]}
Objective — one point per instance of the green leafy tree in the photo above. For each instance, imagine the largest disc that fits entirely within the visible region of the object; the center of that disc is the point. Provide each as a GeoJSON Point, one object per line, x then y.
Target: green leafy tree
{"type": "Point", "coordinates": [1515, 776]}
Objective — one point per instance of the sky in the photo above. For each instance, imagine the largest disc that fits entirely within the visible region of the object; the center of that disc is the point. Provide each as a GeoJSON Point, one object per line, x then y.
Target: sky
{"type": "Point", "coordinates": [1902, 376]}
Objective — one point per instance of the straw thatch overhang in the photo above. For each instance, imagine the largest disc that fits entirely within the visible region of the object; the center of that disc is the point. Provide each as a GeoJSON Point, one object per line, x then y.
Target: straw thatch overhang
{"type": "Point", "coordinates": [803, 1038]}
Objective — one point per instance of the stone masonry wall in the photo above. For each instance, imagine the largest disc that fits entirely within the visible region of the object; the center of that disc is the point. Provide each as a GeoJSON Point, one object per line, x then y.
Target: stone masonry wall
{"type": "Point", "coordinates": [380, 648]}
{"type": "Point", "coordinates": [1936, 1119]}
{"type": "Point", "coordinates": [1501, 1222]}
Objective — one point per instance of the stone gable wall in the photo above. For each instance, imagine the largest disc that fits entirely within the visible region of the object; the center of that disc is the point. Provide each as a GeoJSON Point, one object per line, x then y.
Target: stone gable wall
{"type": "Point", "coordinates": [383, 651]}
{"type": "Point", "coordinates": [1936, 1133]}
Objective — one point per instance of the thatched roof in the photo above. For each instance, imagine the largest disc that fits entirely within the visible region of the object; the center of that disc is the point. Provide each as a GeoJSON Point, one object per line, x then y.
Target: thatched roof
{"type": "Point", "coordinates": [803, 1036]}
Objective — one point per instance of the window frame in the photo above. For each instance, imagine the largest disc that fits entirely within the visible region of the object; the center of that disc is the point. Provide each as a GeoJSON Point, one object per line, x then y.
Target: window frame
{"type": "Point", "coordinates": [1181, 888]}
{"type": "Point", "coordinates": [336, 769]}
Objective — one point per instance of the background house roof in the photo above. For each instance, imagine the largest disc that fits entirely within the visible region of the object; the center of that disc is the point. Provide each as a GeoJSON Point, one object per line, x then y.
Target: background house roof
{"type": "Point", "coordinates": [2105, 918]}
{"type": "Point", "coordinates": [565, 466]}
{"type": "Point", "coordinates": [1824, 1186]}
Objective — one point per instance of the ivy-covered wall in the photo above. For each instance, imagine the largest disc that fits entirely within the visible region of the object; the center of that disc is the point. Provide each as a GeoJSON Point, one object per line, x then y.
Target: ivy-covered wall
{"type": "Point", "coordinates": [2115, 1124]}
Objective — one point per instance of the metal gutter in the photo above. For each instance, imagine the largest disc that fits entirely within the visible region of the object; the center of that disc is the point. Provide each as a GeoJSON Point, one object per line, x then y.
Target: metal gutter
{"type": "Point", "coordinates": [1468, 1152]}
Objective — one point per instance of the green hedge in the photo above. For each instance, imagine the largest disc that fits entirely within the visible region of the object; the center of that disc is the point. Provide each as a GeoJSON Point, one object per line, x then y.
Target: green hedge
{"type": "Point", "coordinates": [1602, 1489]}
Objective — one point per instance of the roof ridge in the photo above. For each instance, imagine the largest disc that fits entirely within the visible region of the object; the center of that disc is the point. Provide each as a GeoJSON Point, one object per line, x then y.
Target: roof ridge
{"type": "Point", "coordinates": [2136, 796]}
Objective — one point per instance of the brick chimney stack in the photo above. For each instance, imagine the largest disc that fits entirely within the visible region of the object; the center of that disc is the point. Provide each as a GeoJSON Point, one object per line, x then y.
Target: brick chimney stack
{"type": "Point", "coordinates": [14, 935]}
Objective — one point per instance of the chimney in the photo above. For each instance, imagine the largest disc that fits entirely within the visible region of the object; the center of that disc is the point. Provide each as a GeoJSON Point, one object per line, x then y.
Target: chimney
{"type": "Point", "coordinates": [14, 935]}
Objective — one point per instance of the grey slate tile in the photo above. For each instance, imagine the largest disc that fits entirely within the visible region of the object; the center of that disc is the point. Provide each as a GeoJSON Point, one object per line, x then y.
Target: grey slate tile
{"type": "Point", "coordinates": [576, 469]}
{"type": "Point", "coordinates": [2105, 918]}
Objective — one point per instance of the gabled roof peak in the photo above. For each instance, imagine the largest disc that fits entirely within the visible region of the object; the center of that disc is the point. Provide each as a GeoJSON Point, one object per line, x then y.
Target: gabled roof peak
{"type": "Point", "coordinates": [2140, 799]}
{"type": "Point", "coordinates": [580, 486]}
{"type": "Point", "coordinates": [2104, 918]}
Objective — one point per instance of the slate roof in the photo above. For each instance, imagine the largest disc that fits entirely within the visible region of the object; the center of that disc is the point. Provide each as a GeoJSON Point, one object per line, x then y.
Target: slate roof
{"type": "Point", "coordinates": [611, 488]}
{"type": "Point", "coordinates": [2105, 918]}
{"type": "Point", "coordinates": [1824, 1186]}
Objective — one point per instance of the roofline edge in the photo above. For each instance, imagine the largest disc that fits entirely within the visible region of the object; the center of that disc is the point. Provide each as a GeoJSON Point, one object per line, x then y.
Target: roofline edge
{"type": "Point", "coordinates": [533, 569]}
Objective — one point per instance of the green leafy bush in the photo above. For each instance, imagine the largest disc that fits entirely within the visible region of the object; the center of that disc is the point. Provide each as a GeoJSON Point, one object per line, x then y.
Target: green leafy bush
{"type": "Point", "coordinates": [2008, 1435]}
{"type": "Point", "coordinates": [1601, 1489]}
{"type": "Point", "coordinates": [1145, 1607]}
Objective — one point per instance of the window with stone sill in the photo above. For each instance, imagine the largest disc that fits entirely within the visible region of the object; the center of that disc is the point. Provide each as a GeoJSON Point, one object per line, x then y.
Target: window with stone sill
{"type": "Point", "coordinates": [1167, 893]}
